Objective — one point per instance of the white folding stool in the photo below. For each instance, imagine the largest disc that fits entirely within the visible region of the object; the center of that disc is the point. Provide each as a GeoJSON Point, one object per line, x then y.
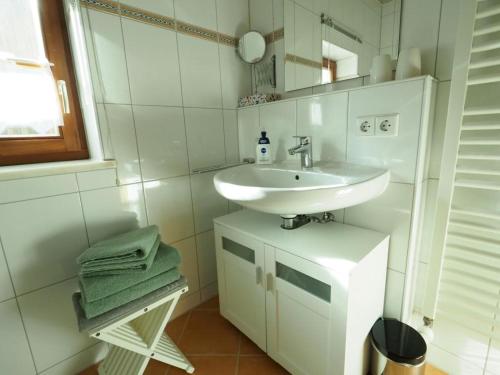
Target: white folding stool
{"type": "Point", "coordinates": [136, 332]}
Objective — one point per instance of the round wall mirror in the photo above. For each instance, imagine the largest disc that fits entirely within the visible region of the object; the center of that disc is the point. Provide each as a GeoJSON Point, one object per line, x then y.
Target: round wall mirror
{"type": "Point", "coordinates": [252, 47]}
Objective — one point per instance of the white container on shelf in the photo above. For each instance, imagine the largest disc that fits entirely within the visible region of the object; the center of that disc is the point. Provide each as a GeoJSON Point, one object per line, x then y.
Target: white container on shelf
{"type": "Point", "coordinates": [409, 64]}
{"type": "Point", "coordinates": [381, 70]}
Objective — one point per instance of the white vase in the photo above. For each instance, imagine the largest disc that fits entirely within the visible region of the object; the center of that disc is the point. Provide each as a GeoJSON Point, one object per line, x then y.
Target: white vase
{"type": "Point", "coordinates": [381, 70]}
{"type": "Point", "coordinates": [409, 64]}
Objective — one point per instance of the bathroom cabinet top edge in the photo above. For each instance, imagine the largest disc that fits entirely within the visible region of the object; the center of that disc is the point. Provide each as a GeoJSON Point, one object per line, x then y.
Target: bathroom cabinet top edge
{"type": "Point", "coordinates": [332, 245]}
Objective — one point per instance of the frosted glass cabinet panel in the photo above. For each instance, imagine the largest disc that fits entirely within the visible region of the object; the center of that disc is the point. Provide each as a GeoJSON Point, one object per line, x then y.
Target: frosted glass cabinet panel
{"type": "Point", "coordinates": [303, 281]}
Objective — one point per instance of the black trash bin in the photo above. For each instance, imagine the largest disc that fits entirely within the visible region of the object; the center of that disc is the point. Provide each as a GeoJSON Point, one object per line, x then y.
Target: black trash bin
{"type": "Point", "coordinates": [397, 349]}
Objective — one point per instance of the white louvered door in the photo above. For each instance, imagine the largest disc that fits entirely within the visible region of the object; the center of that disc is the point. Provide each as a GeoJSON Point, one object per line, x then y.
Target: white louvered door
{"type": "Point", "coordinates": [469, 283]}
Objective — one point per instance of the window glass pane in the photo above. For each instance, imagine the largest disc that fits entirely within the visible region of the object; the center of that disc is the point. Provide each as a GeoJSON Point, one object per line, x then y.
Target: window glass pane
{"type": "Point", "coordinates": [30, 103]}
{"type": "Point", "coordinates": [239, 250]}
{"type": "Point", "coordinates": [303, 281]}
{"type": "Point", "coordinates": [29, 100]}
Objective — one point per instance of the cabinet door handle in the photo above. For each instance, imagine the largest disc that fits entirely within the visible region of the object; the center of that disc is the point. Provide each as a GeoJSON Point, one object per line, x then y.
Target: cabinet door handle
{"type": "Point", "coordinates": [269, 282]}
{"type": "Point", "coordinates": [258, 275]}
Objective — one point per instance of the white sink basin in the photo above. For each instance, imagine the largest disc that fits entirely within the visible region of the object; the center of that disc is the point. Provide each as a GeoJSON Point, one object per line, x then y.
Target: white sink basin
{"type": "Point", "coordinates": [285, 189]}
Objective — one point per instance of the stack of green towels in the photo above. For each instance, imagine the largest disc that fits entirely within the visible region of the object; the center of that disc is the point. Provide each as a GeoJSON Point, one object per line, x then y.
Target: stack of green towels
{"type": "Point", "coordinates": [123, 268]}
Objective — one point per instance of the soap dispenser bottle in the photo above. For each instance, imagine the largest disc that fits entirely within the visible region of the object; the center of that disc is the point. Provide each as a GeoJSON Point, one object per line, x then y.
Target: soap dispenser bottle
{"type": "Point", "coordinates": [263, 149]}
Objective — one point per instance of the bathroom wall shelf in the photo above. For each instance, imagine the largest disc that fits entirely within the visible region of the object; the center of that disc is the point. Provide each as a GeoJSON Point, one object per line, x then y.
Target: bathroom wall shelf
{"type": "Point", "coordinates": [221, 166]}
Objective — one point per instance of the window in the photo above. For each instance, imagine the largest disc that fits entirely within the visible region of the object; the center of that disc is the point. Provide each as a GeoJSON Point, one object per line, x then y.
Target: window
{"type": "Point", "coordinates": [329, 71]}
{"type": "Point", "coordinates": [40, 115]}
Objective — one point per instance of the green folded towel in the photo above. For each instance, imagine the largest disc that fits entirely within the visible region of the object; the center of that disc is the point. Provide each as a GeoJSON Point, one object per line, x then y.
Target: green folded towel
{"type": "Point", "coordinates": [95, 288]}
{"type": "Point", "coordinates": [127, 252]}
{"type": "Point", "coordinates": [92, 309]}
{"type": "Point", "coordinates": [122, 266]}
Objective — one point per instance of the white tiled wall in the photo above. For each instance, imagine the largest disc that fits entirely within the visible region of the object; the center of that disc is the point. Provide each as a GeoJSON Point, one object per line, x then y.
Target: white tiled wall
{"type": "Point", "coordinates": [15, 354]}
{"type": "Point", "coordinates": [331, 121]}
{"type": "Point", "coordinates": [399, 154]}
{"type": "Point", "coordinates": [36, 243]}
{"type": "Point", "coordinates": [166, 105]}
{"type": "Point", "coordinates": [323, 118]}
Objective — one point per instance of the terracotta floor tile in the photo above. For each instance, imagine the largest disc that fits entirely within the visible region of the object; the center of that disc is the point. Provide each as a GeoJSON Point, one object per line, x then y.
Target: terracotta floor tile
{"type": "Point", "coordinates": [209, 333]}
{"type": "Point", "coordinates": [92, 370]}
{"type": "Point", "coordinates": [249, 348]}
{"type": "Point", "coordinates": [211, 304]}
{"type": "Point", "coordinates": [156, 368]}
{"type": "Point", "coordinates": [431, 370]}
{"type": "Point", "coordinates": [207, 365]}
{"type": "Point", "coordinates": [176, 326]}
{"type": "Point", "coordinates": [261, 365]}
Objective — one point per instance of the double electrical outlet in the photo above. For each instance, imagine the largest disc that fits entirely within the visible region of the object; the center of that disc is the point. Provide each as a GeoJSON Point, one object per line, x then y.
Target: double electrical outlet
{"type": "Point", "coordinates": [380, 126]}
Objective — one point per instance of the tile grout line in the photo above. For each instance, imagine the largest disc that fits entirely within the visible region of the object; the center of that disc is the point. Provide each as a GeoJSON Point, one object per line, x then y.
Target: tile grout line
{"type": "Point", "coordinates": [220, 82]}
{"type": "Point", "coordinates": [178, 106]}
{"type": "Point", "coordinates": [43, 197]}
{"type": "Point", "coordinates": [72, 356]}
{"type": "Point", "coordinates": [18, 306]}
{"type": "Point", "coordinates": [188, 319]}
{"type": "Point", "coordinates": [83, 211]}
{"type": "Point", "coordinates": [436, 58]}
{"type": "Point", "coordinates": [188, 313]}
{"type": "Point", "coordinates": [223, 117]}
{"type": "Point", "coordinates": [134, 121]}
{"type": "Point", "coordinates": [188, 160]}
{"type": "Point", "coordinates": [237, 369]}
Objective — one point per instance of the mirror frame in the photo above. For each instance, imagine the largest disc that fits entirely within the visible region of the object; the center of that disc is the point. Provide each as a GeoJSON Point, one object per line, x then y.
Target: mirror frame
{"type": "Point", "coordinates": [240, 44]}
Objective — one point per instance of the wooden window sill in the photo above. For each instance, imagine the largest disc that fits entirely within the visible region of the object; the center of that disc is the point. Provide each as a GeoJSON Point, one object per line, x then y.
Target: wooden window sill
{"type": "Point", "coordinates": [47, 169]}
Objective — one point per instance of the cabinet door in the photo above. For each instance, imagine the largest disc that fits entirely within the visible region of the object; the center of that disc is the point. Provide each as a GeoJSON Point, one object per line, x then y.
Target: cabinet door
{"type": "Point", "coordinates": [240, 272]}
{"type": "Point", "coordinates": [298, 313]}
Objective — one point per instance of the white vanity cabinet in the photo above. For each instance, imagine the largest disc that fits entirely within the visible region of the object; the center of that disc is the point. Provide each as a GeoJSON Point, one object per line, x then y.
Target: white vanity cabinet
{"type": "Point", "coordinates": [309, 296]}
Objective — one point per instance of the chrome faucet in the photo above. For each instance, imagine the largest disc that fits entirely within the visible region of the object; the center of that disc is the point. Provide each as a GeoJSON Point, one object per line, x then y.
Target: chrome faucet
{"type": "Point", "coordinates": [305, 150]}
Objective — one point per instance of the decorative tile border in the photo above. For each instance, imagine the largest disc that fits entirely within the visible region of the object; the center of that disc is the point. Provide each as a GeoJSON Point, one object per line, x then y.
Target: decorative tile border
{"type": "Point", "coordinates": [303, 61]}
{"type": "Point", "coordinates": [105, 6]}
{"type": "Point", "coordinates": [197, 32]}
{"type": "Point", "coordinates": [228, 40]}
{"type": "Point", "coordinates": [274, 36]}
{"type": "Point", "coordinates": [144, 16]}
{"type": "Point", "coordinates": [155, 19]}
